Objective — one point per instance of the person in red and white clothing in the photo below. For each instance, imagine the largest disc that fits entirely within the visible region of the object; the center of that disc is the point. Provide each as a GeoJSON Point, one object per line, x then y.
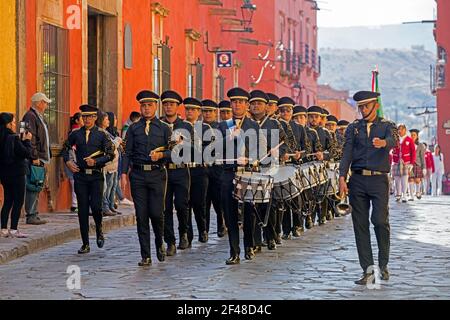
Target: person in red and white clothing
{"type": "Point", "coordinates": [429, 164]}
{"type": "Point", "coordinates": [403, 158]}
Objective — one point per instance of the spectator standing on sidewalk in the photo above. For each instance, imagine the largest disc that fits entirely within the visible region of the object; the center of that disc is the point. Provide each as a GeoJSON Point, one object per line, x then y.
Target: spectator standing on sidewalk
{"type": "Point", "coordinates": [40, 154]}
{"type": "Point", "coordinates": [14, 150]}
{"type": "Point", "coordinates": [429, 168]}
{"type": "Point", "coordinates": [436, 177]}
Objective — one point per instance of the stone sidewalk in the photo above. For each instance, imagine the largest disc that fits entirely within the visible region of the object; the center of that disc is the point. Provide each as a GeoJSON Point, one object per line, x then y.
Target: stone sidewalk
{"type": "Point", "coordinates": [61, 228]}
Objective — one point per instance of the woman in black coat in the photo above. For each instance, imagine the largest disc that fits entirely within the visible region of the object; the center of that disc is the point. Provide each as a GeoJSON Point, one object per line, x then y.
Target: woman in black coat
{"type": "Point", "coordinates": [13, 152]}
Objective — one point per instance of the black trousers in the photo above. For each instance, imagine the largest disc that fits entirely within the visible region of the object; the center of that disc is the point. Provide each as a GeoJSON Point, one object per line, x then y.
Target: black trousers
{"type": "Point", "coordinates": [230, 208]}
{"type": "Point", "coordinates": [213, 198]}
{"type": "Point", "coordinates": [89, 191]}
{"type": "Point", "coordinates": [148, 190]}
{"type": "Point", "coordinates": [268, 232]}
{"type": "Point", "coordinates": [365, 191]}
{"type": "Point", "coordinates": [14, 197]}
{"type": "Point", "coordinates": [293, 217]}
{"type": "Point", "coordinates": [197, 201]}
{"type": "Point", "coordinates": [178, 194]}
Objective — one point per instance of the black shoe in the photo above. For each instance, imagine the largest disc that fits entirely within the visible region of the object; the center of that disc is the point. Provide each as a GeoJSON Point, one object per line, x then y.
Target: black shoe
{"type": "Point", "coordinates": [171, 250]}
{"type": "Point", "coordinates": [108, 213]}
{"type": "Point", "coordinates": [286, 237]}
{"type": "Point", "coordinates": [84, 249]}
{"type": "Point", "coordinates": [272, 245]}
{"type": "Point", "coordinates": [161, 253]}
{"type": "Point", "coordinates": [329, 216]}
{"type": "Point", "coordinates": [100, 238]}
{"type": "Point", "coordinates": [222, 232]}
{"type": "Point", "coordinates": [384, 273]}
{"type": "Point", "coordinates": [322, 221]}
{"type": "Point", "coordinates": [74, 209]}
{"type": "Point", "coordinates": [203, 238]}
{"type": "Point", "coordinates": [233, 260]}
{"type": "Point", "coordinates": [278, 239]}
{"type": "Point", "coordinates": [184, 243]}
{"type": "Point", "coordinates": [249, 253]}
{"type": "Point", "coordinates": [309, 223]}
{"type": "Point", "coordinates": [145, 262]}
{"type": "Point", "coordinates": [366, 277]}
{"type": "Point", "coordinates": [297, 232]}
{"type": "Point", "coordinates": [257, 249]}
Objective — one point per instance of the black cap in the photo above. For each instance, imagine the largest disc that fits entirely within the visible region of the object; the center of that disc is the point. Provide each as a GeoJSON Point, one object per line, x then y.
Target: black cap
{"type": "Point", "coordinates": [273, 98]}
{"type": "Point", "coordinates": [343, 123]}
{"type": "Point", "coordinates": [299, 110]}
{"type": "Point", "coordinates": [209, 105]}
{"type": "Point", "coordinates": [325, 112]}
{"type": "Point", "coordinates": [87, 110]}
{"type": "Point", "coordinates": [147, 96]}
{"type": "Point", "coordinates": [332, 119]}
{"type": "Point", "coordinates": [364, 97]}
{"type": "Point", "coordinates": [238, 93]}
{"type": "Point", "coordinates": [225, 105]}
{"type": "Point", "coordinates": [258, 95]}
{"type": "Point", "coordinates": [171, 96]}
{"type": "Point", "coordinates": [415, 130]}
{"type": "Point", "coordinates": [286, 102]}
{"type": "Point", "coordinates": [192, 103]}
{"type": "Point", "coordinates": [315, 110]}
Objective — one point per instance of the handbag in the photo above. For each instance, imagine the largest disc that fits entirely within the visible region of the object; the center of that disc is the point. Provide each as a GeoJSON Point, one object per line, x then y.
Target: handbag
{"type": "Point", "coordinates": [36, 179]}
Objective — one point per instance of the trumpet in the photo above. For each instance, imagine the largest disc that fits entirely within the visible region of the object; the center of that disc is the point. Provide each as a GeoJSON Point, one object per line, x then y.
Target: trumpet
{"type": "Point", "coordinates": [343, 208]}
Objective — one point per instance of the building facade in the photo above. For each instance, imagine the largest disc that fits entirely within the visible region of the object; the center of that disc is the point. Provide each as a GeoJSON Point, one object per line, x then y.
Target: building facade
{"type": "Point", "coordinates": [442, 79]}
{"type": "Point", "coordinates": [104, 51]}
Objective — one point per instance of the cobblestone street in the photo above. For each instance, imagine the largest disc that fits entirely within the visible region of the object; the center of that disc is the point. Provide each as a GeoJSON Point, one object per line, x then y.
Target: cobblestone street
{"type": "Point", "coordinates": [322, 264]}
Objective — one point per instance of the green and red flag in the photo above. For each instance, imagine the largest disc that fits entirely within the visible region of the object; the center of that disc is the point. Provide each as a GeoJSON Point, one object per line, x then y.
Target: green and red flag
{"type": "Point", "coordinates": [376, 88]}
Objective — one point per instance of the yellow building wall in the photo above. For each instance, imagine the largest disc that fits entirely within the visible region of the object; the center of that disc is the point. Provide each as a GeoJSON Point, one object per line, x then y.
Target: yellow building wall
{"type": "Point", "coordinates": [8, 56]}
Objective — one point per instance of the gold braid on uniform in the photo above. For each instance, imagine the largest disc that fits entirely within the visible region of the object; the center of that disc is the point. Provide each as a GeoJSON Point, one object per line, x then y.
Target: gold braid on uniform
{"type": "Point", "coordinates": [336, 150]}
{"type": "Point", "coordinates": [291, 142]}
{"type": "Point", "coordinates": [308, 144]}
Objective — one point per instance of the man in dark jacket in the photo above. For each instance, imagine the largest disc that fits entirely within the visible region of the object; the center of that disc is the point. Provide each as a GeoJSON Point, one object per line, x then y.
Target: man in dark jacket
{"type": "Point", "coordinates": [40, 154]}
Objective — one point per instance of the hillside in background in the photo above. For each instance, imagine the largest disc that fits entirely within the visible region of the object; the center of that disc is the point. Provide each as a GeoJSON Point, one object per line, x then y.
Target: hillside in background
{"type": "Point", "coordinates": [404, 77]}
{"type": "Point", "coordinates": [402, 36]}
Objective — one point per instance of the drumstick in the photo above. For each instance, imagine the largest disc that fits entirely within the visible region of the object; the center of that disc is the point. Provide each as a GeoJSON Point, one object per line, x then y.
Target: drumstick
{"type": "Point", "coordinates": [94, 155]}
{"type": "Point", "coordinates": [273, 149]}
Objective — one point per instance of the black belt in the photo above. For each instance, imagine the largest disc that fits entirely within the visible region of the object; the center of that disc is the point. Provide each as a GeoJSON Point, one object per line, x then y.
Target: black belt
{"type": "Point", "coordinates": [173, 166]}
{"type": "Point", "coordinates": [147, 167]}
{"type": "Point", "coordinates": [90, 172]}
{"type": "Point", "coordinates": [364, 172]}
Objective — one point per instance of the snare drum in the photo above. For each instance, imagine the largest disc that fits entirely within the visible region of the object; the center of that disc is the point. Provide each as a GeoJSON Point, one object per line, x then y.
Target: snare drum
{"type": "Point", "coordinates": [320, 172]}
{"type": "Point", "coordinates": [252, 187]}
{"type": "Point", "coordinates": [307, 175]}
{"type": "Point", "coordinates": [287, 182]}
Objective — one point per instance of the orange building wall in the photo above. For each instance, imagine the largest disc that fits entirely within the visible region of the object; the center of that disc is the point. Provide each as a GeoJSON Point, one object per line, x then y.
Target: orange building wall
{"type": "Point", "coordinates": [443, 94]}
{"type": "Point", "coordinates": [138, 14]}
{"type": "Point", "coordinates": [339, 108]}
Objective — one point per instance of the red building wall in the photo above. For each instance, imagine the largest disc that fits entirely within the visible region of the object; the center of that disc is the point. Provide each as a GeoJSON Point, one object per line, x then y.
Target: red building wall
{"type": "Point", "coordinates": [443, 93]}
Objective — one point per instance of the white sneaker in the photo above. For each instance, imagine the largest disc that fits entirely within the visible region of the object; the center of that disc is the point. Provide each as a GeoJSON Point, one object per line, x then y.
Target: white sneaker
{"type": "Point", "coordinates": [4, 233]}
{"type": "Point", "coordinates": [404, 199]}
{"type": "Point", "coordinates": [126, 202]}
{"type": "Point", "coordinates": [17, 234]}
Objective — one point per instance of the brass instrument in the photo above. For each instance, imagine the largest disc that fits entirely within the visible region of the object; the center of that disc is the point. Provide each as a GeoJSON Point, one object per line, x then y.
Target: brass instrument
{"type": "Point", "coordinates": [343, 208]}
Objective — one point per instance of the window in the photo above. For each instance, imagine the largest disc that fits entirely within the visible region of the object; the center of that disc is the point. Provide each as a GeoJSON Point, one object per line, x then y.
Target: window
{"type": "Point", "coordinates": [306, 54]}
{"type": "Point", "coordinates": [128, 47]}
{"type": "Point", "coordinates": [165, 67]}
{"type": "Point", "coordinates": [55, 77]}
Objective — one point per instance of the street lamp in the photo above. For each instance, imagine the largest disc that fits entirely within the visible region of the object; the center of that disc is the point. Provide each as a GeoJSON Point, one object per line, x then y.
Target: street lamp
{"type": "Point", "coordinates": [247, 9]}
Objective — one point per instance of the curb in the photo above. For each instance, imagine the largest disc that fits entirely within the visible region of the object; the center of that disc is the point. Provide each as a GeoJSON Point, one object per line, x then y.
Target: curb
{"type": "Point", "coordinates": [34, 245]}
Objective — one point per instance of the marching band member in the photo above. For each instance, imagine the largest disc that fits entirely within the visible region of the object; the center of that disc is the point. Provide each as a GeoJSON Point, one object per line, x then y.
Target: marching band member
{"type": "Point", "coordinates": [258, 106]}
{"type": "Point", "coordinates": [146, 151]}
{"type": "Point", "coordinates": [225, 110]}
{"type": "Point", "coordinates": [209, 112]}
{"type": "Point", "coordinates": [232, 130]}
{"type": "Point", "coordinates": [296, 138]}
{"type": "Point", "coordinates": [93, 149]}
{"type": "Point", "coordinates": [178, 179]}
{"type": "Point", "coordinates": [199, 176]}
